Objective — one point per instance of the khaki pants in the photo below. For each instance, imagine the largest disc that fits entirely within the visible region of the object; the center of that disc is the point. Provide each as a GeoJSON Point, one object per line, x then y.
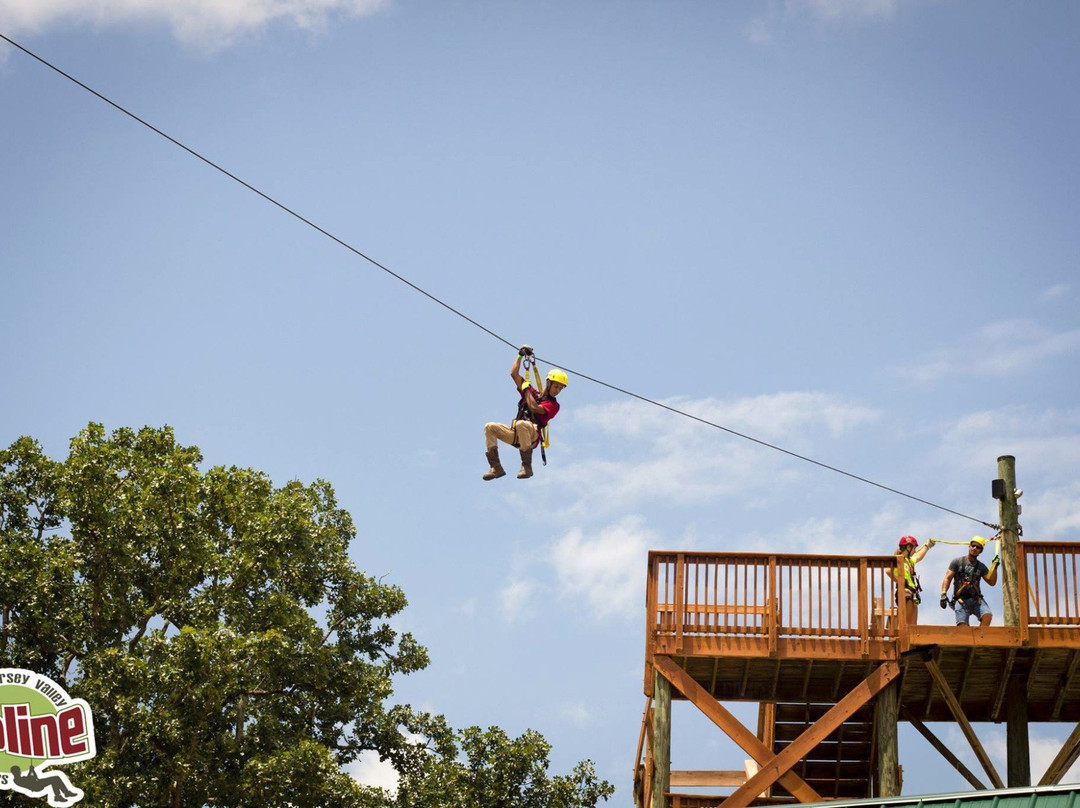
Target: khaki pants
{"type": "Point", "coordinates": [526, 434]}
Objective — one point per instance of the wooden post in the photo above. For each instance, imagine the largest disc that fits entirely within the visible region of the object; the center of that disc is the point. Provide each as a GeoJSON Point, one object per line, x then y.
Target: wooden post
{"type": "Point", "coordinates": [1016, 731]}
{"type": "Point", "coordinates": [661, 742]}
{"type": "Point", "coordinates": [1008, 514]}
{"type": "Point", "coordinates": [886, 717]}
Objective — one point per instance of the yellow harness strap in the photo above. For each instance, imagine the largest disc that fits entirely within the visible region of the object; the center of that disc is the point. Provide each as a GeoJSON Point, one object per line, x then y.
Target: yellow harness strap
{"type": "Point", "coordinates": [544, 442]}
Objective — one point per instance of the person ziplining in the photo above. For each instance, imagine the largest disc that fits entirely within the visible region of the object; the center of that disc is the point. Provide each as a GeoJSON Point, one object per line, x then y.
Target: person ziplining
{"type": "Point", "coordinates": [535, 409]}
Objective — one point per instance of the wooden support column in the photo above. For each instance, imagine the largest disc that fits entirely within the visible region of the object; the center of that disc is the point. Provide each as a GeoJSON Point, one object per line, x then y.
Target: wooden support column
{"type": "Point", "coordinates": [1016, 733]}
{"type": "Point", "coordinates": [965, 725]}
{"type": "Point", "coordinates": [886, 718]}
{"type": "Point", "coordinates": [1008, 518]}
{"type": "Point", "coordinates": [1016, 716]}
{"type": "Point", "coordinates": [661, 742]}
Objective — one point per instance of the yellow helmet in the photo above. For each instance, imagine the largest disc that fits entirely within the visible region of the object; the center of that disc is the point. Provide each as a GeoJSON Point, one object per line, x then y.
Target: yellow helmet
{"type": "Point", "coordinates": [979, 540]}
{"type": "Point", "coordinates": [556, 375]}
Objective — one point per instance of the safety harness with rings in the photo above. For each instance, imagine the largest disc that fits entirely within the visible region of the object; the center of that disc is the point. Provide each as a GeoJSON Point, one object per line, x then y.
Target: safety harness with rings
{"type": "Point", "coordinates": [528, 362]}
{"type": "Point", "coordinates": [968, 586]}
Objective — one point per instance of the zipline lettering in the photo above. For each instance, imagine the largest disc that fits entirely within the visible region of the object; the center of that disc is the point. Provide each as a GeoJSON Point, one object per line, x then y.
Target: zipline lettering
{"type": "Point", "coordinates": [42, 736]}
{"type": "Point", "coordinates": [41, 727]}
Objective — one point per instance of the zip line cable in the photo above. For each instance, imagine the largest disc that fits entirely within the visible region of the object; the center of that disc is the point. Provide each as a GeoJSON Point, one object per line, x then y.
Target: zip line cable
{"type": "Point", "coordinates": [253, 189]}
{"type": "Point", "coordinates": [460, 314]}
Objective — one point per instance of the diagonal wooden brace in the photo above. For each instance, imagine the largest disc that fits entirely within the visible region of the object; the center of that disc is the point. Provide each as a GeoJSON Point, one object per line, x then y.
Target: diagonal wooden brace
{"type": "Point", "coordinates": [813, 735]}
{"type": "Point", "coordinates": [961, 719]}
{"type": "Point", "coordinates": [946, 752]}
{"type": "Point", "coordinates": [1064, 759]}
{"type": "Point", "coordinates": [720, 716]}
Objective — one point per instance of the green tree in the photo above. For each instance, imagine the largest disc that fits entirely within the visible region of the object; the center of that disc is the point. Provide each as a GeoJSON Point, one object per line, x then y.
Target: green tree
{"type": "Point", "coordinates": [491, 770]}
{"type": "Point", "coordinates": [182, 606]}
{"type": "Point", "coordinates": [232, 653]}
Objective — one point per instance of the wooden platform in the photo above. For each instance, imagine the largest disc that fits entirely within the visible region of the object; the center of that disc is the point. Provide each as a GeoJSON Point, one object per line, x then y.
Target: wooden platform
{"type": "Point", "coordinates": [804, 634]}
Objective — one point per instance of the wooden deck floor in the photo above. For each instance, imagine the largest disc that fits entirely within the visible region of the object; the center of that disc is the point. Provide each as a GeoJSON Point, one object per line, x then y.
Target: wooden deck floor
{"type": "Point", "coordinates": [976, 663]}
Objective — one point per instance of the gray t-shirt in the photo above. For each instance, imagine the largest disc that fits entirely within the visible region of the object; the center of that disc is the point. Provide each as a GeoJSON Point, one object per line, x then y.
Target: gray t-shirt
{"type": "Point", "coordinates": [966, 571]}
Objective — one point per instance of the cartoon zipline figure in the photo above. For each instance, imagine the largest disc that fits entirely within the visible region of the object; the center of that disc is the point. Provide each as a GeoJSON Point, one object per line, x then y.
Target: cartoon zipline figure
{"type": "Point", "coordinates": [33, 784]}
{"type": "Point", "coordinates": [535, 409]}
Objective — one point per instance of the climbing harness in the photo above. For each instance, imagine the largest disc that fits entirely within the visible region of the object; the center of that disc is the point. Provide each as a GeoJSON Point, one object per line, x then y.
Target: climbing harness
{"type": "Point", "coordinates": [969, 588]}
{"type": "Point", "coordinates": [528, 362]}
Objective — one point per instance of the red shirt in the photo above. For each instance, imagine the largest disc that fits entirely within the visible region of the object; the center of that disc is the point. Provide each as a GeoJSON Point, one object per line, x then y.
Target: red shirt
{"type": "Point", "coordinates": [549, 405]}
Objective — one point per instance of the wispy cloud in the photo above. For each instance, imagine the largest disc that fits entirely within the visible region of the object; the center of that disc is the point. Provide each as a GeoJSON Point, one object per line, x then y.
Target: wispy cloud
{"type": "Point", "coordinates": [208, 24]}
{"type": "Point", "coordinates": [843, 10]}
{"type": "Point", "coordinates": [1057, 292]}
{"type": "Point", "coordinates": [763, 27]}
{"type": "Point", "coordinates": [516, 599]}
{"type": "Point", "coordinates": [604, 569]}
{"type": "Point", "coordinates": [1043, 439]}
{"type": "Point", "coordinates": [679, 461]}
{"type": "Point", "coordinates": [576, 713]}
{"type": "Point", "coordinates": [996, 350]}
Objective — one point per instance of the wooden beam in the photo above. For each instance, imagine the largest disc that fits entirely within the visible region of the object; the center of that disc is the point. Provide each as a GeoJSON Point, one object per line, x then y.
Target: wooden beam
{"type": "Point", "coordinates": [720, 716]}
{"type": "Point", "coordinates": [1066, 680]}
{"type": "Point", "coordinates": [839, 680]}
{"type": "Point", "coordinates": [813, 735]}
{"type": "Point", "coordinates": [946, 753]}
{"type": "Point", "coordinates": [646, 719]}
{"type": "Point", "coordinates": [967, 672]}
{"type": "Point", "coordinates": [1064, 760]}
{"type": "Point", "coordinates": [961, 719]}
{"type": "Point", "coordinates": [806, 678]}
{"type": "Point", "coordinates": [1003, 684]}
{"type": "Point", "coordinates": [699, 778]}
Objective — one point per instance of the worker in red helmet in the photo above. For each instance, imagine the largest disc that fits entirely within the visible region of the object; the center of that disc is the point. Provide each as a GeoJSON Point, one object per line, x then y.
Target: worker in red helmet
{"type": "Point", "coordinates": [910, 553]}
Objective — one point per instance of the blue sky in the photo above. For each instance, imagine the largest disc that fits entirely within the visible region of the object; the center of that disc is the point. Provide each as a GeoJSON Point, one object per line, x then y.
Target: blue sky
{"type": "Point", "coordinates": [847, 228]}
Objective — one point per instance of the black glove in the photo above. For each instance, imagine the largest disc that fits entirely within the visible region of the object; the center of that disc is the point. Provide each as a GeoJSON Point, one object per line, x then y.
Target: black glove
{"type": "Point", "coordinates": [997, 560]}
{"type": "Point", "coordinates": [525, 350]}
{"type": "Point", "coordinates": [944, 601]}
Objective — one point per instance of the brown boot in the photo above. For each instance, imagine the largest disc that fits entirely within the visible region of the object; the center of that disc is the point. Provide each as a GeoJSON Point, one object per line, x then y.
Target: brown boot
{"type": "Point", "coordinates": [526, 464]}
{"type": "Point", "coordinates": [496, 469]}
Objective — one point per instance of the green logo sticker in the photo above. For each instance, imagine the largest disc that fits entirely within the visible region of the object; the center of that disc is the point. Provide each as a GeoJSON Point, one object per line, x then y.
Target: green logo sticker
{"type": "Point", "coordinates": [40, 727]}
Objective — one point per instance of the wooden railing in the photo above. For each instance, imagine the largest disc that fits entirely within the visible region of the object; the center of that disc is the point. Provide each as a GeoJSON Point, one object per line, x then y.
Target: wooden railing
{"type": "Point", "coordinates": [1048, 572]}
{"type": "Point", "coordinates": [772, 595]}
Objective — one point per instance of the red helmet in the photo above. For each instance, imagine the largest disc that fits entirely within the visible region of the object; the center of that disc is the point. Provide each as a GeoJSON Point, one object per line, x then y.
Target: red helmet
{"type": "Point", "coordinates": [908, 540]}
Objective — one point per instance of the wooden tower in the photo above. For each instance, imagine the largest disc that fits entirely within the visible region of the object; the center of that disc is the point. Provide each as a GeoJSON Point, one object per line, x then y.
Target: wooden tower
{"type": "Point", "coordinates": [817, 642]}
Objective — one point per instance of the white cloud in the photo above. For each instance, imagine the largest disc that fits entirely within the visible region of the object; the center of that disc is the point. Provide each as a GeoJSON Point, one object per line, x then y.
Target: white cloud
{"type": "Point", "coordinates": [1058, 512]}
{"type": "Point", "coordinates": [605, 569]}
{"type": "Point", "coordinates": [678, 460]}
{"type": "Point", "coordinates": [576, 713]}
{"type": "Point", "coordinates": [998, 350]}
{"type": "Point", "coordinates": [208, 24]}
{"type": "Point", "coordinates": [843, 10]}
{"type": "Point", "coordinates": [1039, 439]}
{"type": "Point", "coordinates": [1042, 748]}
{"type": "Point", "coordinates": [762, 28]}
{"type": "Point", "coordinates": [371, 770]}
{"type": "Point", "coordinates": [1057, 292]}
{"type": "Point", "coordinates": [516, 599]}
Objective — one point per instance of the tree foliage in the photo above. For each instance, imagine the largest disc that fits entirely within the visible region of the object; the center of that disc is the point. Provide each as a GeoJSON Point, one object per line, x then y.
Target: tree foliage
{"type": "Point", "coordinates": [231, 651]}
{"type": "Point", "coordinates": [497, 771]}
